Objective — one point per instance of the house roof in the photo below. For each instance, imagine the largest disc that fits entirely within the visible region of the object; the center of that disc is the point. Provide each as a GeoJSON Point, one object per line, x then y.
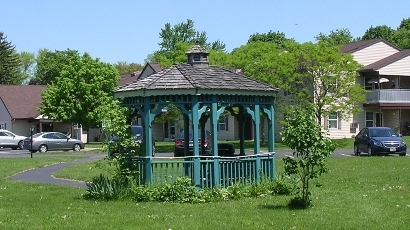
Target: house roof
{"type": "Point", "coordinates": [21, 101]}
{"type": "Point", "coordinates": [188, 77]}
{"type": "Point", "coordinates": [155, 66]}
{"type": "Point", "coordinates": [356, 46]}
{"type": "Point", "coordinates": [127, 78]}
{"type": "Point", "coordinates": [387, 60]}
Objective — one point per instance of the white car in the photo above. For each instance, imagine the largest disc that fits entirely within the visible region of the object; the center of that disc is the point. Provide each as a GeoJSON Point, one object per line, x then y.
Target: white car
{"type": "Point", "coordinates": [11, 140]}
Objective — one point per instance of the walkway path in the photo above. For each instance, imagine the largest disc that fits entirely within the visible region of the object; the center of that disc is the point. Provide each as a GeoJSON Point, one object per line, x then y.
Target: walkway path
{"type": "Point", "coordinates": [45, 174]}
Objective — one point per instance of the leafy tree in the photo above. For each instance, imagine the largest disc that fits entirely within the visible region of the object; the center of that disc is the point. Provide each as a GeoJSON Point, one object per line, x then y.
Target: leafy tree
{"type": "Point", "coordinates": [310, 74]}
{"type": "Point", "coordinates": [337, 37]}
{"type": "Point", "coordinates": [50, 64]}
{"type": "Point", "coordinates": [27, 65]}
{"type": "Point", "coordinates": [310, 148]}
{"type": "Point", "coordinates": [402, 34]}
{"type": "Point", "coordinates": [9, 62]}
{"type": "Point", "coordinates": [325, 77]}
{"type": "Point", "coordinates": [175, 56]}
{"type": "Point", "coordinates": [177, 39]}
{"type": "Point", "coordinates": [82, 90]}
{"type": "Point", "coordinates": [402, 38]}
{"type": "Point", "coordinates": [124, 68]}
{"type": "Point", "coordinates": [383, 31]}
{"type": "Point", "coordinates": [278, 38]}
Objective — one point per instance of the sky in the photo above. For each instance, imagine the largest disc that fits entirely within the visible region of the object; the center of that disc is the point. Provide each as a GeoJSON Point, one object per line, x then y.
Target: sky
{"type": "Point", "coordinates": [128, 30]}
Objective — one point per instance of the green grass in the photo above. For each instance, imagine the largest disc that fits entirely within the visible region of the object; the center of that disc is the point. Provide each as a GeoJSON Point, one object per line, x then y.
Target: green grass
{"type": "Point", "coordinates": [357, 193]}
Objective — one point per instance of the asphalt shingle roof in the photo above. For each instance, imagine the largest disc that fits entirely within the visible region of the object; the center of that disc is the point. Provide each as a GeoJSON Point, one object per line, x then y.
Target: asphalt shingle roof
{"type": "Point", "coordinates": [21, 101]}
{"type": "Point", "coordinates": [185, 76]}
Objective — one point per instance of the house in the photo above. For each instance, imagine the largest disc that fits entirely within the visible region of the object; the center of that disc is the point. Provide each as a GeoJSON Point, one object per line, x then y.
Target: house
{"type": "Point", "coordinates": [386, 75]}
{"type": "Point", "coordinates": [18, 110]}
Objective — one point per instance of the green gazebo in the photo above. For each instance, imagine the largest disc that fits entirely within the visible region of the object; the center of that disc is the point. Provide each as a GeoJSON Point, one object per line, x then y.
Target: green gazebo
{"type": "Point", "coordinates": [203, 92]}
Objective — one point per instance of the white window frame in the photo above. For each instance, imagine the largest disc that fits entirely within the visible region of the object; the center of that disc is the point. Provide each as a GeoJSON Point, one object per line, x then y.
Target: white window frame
{"type": "Point", "coordinates": [333, 123]}
{"type": "Point", "coordinates": [222, 124]}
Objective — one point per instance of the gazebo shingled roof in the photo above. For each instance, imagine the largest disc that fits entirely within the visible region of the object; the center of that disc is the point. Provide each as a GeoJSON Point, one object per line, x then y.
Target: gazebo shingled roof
{"type": "Point", "coordinates": [185, 76]}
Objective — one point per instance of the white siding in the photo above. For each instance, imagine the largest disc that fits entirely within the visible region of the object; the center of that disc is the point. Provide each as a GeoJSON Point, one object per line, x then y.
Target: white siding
{"type": "Point", "coordinates": [344, 132]}
{"type": "Point", "coordinates": [373, 53]}
{"type": "Point", "coordinates": [400, 68]}
{"type": "Point", "coordinates": [5, 116]}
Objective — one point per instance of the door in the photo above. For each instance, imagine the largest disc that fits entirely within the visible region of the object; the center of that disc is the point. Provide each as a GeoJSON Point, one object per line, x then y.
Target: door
{"type": "Point", "coordinates": [379, 119]}
{"type": "Point", "coordinates": [62, 142]}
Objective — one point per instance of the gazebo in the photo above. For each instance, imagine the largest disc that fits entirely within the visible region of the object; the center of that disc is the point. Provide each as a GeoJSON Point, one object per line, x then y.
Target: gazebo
{"type": "Point", "coordinates": [202, 92]}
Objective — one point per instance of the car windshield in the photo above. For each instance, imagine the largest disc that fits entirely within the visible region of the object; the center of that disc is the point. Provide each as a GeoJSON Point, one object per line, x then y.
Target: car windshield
{"type": "Point", "coordinates": [382, 133]}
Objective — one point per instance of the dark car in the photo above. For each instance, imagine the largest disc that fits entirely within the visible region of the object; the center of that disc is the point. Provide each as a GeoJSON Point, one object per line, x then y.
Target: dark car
{"type": "Point", "coordinates": [136, 135]}
{"type": "Point", "coordinates": [48, 141]}
{"type": "Point", "coordinates": [179, 144]}
{"type": "Point", "coordinates": [379, 140]}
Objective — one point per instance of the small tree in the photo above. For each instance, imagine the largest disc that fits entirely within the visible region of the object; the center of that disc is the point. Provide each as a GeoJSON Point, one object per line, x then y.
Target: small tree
{"type": "Point", "coordinates": [310, 147]}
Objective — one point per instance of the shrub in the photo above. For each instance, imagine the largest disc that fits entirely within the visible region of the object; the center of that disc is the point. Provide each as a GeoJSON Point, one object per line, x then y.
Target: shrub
{"type": "Point", "coordinates": [179, 191]}
{"type": "Point", "coordinates": [103, 188]}
{"type": "Point", "coordinates": [285, 185]}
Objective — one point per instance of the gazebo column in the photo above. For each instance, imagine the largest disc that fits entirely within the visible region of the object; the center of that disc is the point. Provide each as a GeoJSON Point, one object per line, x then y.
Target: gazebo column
{"type": "Point", "coordinates": [269, 111]}
{"type": "Point", "coordinates": [195, 138]}
{"type": "Point", "coordinates": [241, 120]}
{"type": "Point", "coordinates": [214, 140]}
{"type": "Point", "coordinates": [256, 143]}
{"type": "Point", "coordinates": [147, 119]}
{"type": "Point", "coordinates": [187, 167]}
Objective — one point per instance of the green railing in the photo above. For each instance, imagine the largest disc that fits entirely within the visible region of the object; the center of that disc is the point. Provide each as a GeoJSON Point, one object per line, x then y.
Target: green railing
{"type": "Point", "coordinates": [214, 171]}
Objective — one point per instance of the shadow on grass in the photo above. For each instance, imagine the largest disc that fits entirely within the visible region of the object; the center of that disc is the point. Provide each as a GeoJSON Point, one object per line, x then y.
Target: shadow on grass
{"type": "Point", "coordinates": [274, 207]}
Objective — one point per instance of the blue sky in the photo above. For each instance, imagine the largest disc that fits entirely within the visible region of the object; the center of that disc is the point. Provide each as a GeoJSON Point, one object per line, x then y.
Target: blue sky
{"type": "Point", "coordinates": [129, 30]}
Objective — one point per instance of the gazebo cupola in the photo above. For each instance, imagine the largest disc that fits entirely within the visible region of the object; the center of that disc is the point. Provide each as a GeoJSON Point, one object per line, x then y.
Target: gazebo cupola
{"type": "Point", "coordinates": [197, 56]}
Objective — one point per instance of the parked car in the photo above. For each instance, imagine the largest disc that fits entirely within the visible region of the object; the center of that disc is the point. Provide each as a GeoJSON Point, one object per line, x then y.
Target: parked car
{"type": "Point", "coordinates": [179, 144]}
{"type": "Point", "coordinates": [11, 140]}
{"type": "Point", "coordinates": [379, 140]}
{"type": "Point", "coordinates": [48, 141]}
{"type": "Point", "coordinates": [136, 135]}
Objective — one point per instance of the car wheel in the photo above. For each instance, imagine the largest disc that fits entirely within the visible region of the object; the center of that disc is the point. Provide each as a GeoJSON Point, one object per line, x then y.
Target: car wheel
{"type": "Point", "coordinates": [21, 145]}
{"type": "Point", "coordinates": [356, 150]}
{"type": "Point", "coordinates": [76, 147]}
{"type": "Point", "coordinates": [369, 151]}
{"type": "Point", "coordinates": [402, 154]}
{"type": "Point", "coordinates": [42, 148]}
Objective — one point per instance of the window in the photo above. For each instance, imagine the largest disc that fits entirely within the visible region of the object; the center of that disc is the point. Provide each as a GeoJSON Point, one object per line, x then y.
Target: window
{"type": "Point", "coordinates": [223, 124]}
{"type": "Point", "coordinates": [172, 128]}
{"type": "Point", "coordinates": [333, 120]}
{"type": "Point", "coordinates": [369, 119]}
{"type": "Point", "coordinates": [332, 85]}
{"type": "Point", "coordinates": [197, 57]}
{"type": "Point", "coordinates": [367, 84]}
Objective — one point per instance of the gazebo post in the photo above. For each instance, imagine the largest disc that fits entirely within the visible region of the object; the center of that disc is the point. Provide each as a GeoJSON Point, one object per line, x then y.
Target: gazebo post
{"type": "Point", "coordinates": [214, 137]}
{"type": "Point", "coordinates": [241, 121]}
{"type": "Point", "coordinates": [148, 142]}
{"type": "Point", "coordinates": [187, 167]}
{"type": "Point", "coordinates": [256, 142]}
{"type": "Point", "coordinates": [195, 138]}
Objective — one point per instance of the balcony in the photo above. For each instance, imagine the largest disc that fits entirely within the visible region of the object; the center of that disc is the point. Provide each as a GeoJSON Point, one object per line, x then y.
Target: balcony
{"type": "Point", "coordinates": [388, 96]}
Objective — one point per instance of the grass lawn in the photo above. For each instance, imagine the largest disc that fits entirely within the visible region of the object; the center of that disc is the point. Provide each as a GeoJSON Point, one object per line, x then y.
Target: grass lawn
{"type": "Point", "coordinates": [357, 193]}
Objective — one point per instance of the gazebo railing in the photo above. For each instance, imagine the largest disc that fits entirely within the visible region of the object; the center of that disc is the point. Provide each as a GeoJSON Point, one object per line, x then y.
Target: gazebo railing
{"type": "Point", "coordinates": [231, 170]}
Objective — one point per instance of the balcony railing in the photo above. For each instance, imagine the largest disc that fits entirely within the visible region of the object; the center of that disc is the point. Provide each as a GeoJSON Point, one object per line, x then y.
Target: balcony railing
{"type": "Point", "coordinates": [389, 96]}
